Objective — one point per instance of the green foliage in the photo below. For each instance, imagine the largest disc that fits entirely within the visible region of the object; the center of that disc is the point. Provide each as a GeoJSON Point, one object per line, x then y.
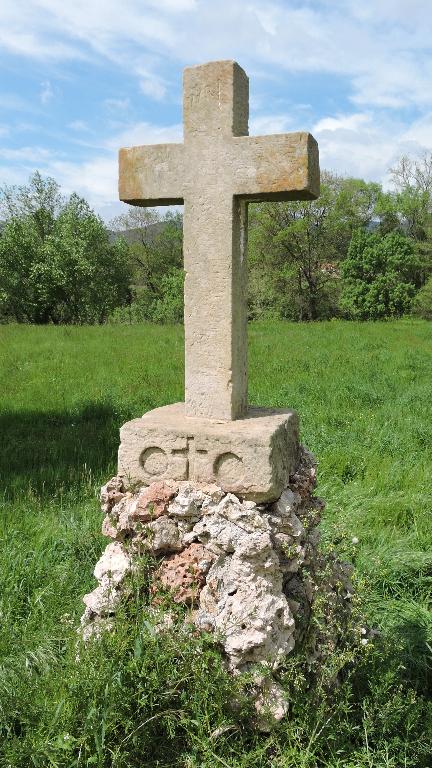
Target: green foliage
{"type": "Point", "coordinates": [164, 307]}
{"type": "Point", "coordinates": [56, 262]}
{"type": "Point", "coordinates": [295, 249]}
{"type": "Point", "coordinates": [156, 261]}
{"type": "Point", "coordinates": [409, 205]}
{"type": "Point", "coordinates": [58, 265]}
{"type": "Point", "coordinates": [139, 698]}
{"type": "Point", "coordinates": [422, 305]}
{"type": "Point", "coordinates": [378, 276]}
{"type": "Point", "coordinates": [169, 307]}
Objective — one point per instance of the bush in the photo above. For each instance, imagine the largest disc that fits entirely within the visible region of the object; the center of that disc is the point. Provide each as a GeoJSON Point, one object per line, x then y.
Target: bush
{"type": "Point", "coordinates": [166, 308]}
{"type": "Point", "coordinates": [169, 307]}
{"type": "Point", "coordinates": [379, 276]}
{"type": "Point", "coordinates": [57, 264]}
{"type": "Point", "coordinates": [422, 304]}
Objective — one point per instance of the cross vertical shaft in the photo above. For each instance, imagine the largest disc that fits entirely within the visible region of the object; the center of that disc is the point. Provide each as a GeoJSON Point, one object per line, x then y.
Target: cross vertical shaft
{"type": "Point", "coordinates": [215, 228]}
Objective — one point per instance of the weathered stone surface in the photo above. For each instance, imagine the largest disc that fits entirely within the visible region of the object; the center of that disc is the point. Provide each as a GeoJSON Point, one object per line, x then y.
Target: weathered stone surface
{"type": "Point", "coordinates": [126, 513]}
{"type": "Point", "coordinates": [111, 493]}
{"type": "Point", "coordinates": [161, 536]}
{"type": "Point", "coordinates": [103, 601]}
{"type": "Point", "coordinates": [114, 564]}
{"type": "Point", "coordinates": [271, 703]}
{"type": "Point", "coordinates": [110, 571]}
{"type": "Point", "coordinates": [184, 573]}
{"type": "Point", "coordinates": [243, 601]}
{"type": "Point", "coordinates": [215, 172]}
{"type": "Point", "coordinates": [153, 502]}
{"type": "Point", "coordinates": [251, 457]}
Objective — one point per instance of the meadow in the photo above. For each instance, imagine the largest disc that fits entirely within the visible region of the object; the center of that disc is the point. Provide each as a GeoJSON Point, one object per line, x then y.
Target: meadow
{"type": "Point", "coordinates": [364, 394]}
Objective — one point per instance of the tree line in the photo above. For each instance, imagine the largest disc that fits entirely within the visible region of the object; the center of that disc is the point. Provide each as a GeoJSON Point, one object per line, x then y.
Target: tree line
{"type": "Point", "coordinates": [358, 252]}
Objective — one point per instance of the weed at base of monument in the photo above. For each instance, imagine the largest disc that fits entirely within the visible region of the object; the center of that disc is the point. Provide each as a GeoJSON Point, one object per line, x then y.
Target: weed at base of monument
{"type": "Point", "coordinates": [142, 696]}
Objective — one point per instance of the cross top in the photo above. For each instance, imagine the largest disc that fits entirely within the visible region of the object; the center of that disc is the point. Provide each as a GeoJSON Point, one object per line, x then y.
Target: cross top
{"type": "Point", "coordinates": [215, 172]}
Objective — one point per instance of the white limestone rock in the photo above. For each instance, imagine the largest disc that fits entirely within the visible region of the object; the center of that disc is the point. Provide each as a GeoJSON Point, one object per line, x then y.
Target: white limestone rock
{"type": "Point", "coordinates": [188, 502]}
{"type": "Point", "coordinates": [271, 704]}
{"type": "Point", "coordinates": [243, 602]}
{"type": "Point", "coordinates": [113, 565]}
{"type": "Point", "coordinates": [103, 601]}
{"type": "Point", "coordinates": [162, 536]}
{"type": "Point", "coordinates": [111, 493]}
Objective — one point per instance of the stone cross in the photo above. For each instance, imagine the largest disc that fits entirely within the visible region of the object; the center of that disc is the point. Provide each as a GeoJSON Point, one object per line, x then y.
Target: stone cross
{"type": "Point", "coordinates": [215, 172]}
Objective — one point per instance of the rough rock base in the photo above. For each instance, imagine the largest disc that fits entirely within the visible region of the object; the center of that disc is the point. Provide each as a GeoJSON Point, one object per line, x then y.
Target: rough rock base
{"type": "Point", "coordinates": [248, 571]}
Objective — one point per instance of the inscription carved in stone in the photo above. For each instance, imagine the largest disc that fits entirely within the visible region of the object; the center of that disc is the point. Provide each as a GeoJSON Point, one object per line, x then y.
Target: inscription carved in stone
{"type": "Point", "coordinates": [189, 463]}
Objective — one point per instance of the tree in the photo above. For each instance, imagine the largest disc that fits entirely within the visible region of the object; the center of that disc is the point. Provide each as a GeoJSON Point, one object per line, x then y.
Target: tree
{"type": "Point", "coordinates": [295, 248]}
{"type": "Point", "coordinates": [155, 245]}
{"type": "Point", "coordinates": [40, 201]}
{"type": "Point", "coordinates": [414, 173]}
{"type": "Point", "coordinates": [56, 260]}
{"type": "Point", "coordinates": [408, 208]}
{"type": "Point", "coordinates": [422, 304]}
{"type": "Point", "coordinates": [156, 260]}
{"type": "Point", "coordinates": [379, 276]}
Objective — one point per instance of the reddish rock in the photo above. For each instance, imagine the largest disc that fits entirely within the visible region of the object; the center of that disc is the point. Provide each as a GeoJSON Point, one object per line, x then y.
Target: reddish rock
{"type": "Point", "coordinates": [109, 528]}
{"type": "Point", "coordinates": [153, 501]}
{"type": "Point", "coordinates": [184, 573]}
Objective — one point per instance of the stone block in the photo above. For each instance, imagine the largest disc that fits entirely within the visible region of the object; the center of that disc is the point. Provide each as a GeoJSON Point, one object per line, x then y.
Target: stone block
{"type": "Point", "coordinates": [251, 457]}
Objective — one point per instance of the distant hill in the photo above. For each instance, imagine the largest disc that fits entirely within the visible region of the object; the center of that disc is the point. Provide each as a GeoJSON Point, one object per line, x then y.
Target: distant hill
{"type": "Point", "coordinates": [130, 235]}
{"type": "Point", "coordinates": [136, 235]}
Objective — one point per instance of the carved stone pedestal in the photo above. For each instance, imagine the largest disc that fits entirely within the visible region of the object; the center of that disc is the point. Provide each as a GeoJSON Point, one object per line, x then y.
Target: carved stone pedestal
{"type": "Point", "coordinates": [251, 457]}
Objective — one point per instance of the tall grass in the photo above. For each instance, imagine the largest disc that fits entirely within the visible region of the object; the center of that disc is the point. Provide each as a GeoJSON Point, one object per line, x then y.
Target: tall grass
{"type": "Point", "coordinates": [364, 393]}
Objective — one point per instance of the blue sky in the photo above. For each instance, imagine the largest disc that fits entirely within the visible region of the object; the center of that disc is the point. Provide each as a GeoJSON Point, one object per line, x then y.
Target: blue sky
{"type": "Point", "coordinates": [80, 79]}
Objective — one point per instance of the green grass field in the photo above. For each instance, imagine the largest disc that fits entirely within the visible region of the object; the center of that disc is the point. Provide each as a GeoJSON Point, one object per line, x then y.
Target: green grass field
{"type": "Point", "coordinates": [364, 394]}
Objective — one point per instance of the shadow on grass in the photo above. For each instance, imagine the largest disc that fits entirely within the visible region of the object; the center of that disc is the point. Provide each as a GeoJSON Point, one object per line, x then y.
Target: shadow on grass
{"type": "Point", "coordinates": [49, 453]}
{"type": "Point", "coordinates": [416, 653]}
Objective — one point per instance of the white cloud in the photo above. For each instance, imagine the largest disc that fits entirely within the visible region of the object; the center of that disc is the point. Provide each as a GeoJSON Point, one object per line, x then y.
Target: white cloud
{"type": "Point", "coordinates": [23, 32]}
{"type": "Point", "coordinates": [46, 93]}
{"type": "Point", "coordinates": [11, 175]}
{"type": "Point", "coordinates": [383, 49]}
{"type": "Point", "coordinates": [94, 179]}
{"type": "Point", "coordinates": [364, 146]}
{"type": "Point", "coordinates": [79, 125]}
{"type": "Point", "coordinates": [154, 88]}
{"type": "Point", "coordinates": [341, 122]}
{"type": "Point", "coordinates": [117, 105]}
{"type": "Point", "coordinates": [420, 131]}
{"type": "Point", "coordinates": [26, 155]}
{"type": "Point", "coordinates": [145, 133]}
{"type": "Point", "coordinates": [173, 5]}
{"type": "Point", "coordinates": [269, 124]}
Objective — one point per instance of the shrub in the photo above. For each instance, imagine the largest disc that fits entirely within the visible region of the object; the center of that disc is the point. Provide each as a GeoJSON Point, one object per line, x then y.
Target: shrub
{"type": "Point", "coordinates": [379, 276]}
{"type": "Point", "coordinates": [422, 304]}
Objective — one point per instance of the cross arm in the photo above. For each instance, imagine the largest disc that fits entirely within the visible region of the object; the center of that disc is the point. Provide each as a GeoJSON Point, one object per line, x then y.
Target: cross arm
{"type": "Point", "coordinates": [280, 167]}
{"type": "Point", "coordinates": [152, 174]}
